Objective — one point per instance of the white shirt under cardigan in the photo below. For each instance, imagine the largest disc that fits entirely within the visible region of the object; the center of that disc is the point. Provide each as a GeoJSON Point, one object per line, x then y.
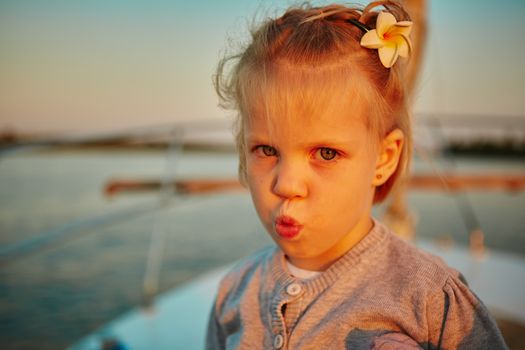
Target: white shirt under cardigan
{"type": "Point", "coordinates": [383, 292]}
{"type": "Point", "coordinates": [300, 273]}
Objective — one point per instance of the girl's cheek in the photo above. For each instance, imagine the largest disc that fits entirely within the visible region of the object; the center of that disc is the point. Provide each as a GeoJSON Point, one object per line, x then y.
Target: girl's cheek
{"type": "Point", "coordinates": [260, 164]}
{"type": "Point", "coordinates": [256, 173]}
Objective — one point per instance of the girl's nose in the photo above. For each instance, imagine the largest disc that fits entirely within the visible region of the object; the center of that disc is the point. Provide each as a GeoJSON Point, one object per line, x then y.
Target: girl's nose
{"type": "Point", "coordinates": [289, 181]}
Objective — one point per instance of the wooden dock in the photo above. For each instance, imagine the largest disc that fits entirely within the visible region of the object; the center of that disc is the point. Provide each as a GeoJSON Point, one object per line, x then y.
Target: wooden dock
{"type": "Point", "coordinates": [448, 182]}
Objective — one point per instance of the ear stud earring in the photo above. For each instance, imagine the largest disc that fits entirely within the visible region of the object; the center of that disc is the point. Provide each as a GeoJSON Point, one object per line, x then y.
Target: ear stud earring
{"type": "Point", "coordinates": [379, 176]}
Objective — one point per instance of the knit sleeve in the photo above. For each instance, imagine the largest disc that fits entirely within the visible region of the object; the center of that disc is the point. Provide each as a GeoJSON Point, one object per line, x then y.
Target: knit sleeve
{"type": "Point", "coordinates": [222, 317]}
{"type": "Point", "coordinates": [215, 338]}
{"type": "Point", "coordinates": [465, 322]}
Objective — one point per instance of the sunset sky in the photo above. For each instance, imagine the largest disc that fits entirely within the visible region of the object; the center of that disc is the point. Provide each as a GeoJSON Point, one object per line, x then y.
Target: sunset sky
{"type": "Point", "coordinates": [99, 65]}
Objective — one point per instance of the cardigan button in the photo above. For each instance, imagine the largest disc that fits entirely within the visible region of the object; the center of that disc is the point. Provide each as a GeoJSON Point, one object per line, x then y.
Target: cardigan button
{"type": "Point", "coordinates": [294, 289]}
{"type": "Point", "coordinates": [278, 341]}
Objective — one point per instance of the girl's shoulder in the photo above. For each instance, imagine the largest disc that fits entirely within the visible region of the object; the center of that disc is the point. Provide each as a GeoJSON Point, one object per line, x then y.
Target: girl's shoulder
{"type": "Point", "coordinates": [417, 267]}
{"type": "Point", "coordinates": [248, 264]}
{"type": "Point", "coordinates": [455, 316]}
{"type": "Point", "coordinates": [235, 281]}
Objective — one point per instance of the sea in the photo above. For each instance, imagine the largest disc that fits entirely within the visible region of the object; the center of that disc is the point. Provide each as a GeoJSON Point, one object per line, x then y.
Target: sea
{"type": "Point", "coordinates": [72, 258]}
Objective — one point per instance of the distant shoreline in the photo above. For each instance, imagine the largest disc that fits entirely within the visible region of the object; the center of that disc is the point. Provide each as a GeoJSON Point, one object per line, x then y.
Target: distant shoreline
{"type": "Point", "coordinates": [482, 136]}
{"type": "Point", "coordinates": [481, 147]}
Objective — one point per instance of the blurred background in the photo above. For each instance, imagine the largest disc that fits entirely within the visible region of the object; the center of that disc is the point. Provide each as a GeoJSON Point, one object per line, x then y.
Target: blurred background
{"type": "Point", "coordinates": [104, 105]}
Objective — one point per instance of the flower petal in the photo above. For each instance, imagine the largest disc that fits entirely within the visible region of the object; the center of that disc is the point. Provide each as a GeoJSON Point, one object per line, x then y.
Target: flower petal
{"type": "Point", "coordinates": [404, 46]}
{"type": "Point", "coordinates": [408, 46]}
{"type": "Point", "coordinates": [397, 29]}
{"type": "Point", "coordinates": [371, 40]}
{"type": "Point", "coordinates": [403, 49]}
{"type": "Point", "coordinates": [384, 21]}
{"type": "Point", "coordinates": [388, 55]}
{"type": "Point", "coordinates": [404, 24]}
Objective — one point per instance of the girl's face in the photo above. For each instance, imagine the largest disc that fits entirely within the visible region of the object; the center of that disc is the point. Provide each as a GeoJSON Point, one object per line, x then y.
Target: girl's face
{"type": "Point", "coordinates": [312, 182]}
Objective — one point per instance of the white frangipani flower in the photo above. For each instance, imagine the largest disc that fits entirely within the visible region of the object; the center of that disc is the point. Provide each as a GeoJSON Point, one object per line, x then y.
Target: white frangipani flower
{"type": "Point", "coordinates": [390, 38]}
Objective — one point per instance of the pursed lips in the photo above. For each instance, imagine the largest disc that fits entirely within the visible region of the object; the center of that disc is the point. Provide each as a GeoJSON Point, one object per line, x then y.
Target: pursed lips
{"type": "Point", "coordinates": [287, 227]}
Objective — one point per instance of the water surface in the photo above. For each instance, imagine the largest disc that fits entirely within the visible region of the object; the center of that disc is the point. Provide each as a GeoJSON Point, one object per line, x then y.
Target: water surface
{"type": "Point", "coordinates": [52, 294]}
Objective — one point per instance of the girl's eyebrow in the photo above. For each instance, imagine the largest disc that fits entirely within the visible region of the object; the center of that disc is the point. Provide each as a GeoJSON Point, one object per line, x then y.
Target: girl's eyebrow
{"type": "Point", "coordinates": [342, 142]}
{"type": "Point", "coordinates": [254, 139]}
{"type": "Point", "coordinates": [326, 142]}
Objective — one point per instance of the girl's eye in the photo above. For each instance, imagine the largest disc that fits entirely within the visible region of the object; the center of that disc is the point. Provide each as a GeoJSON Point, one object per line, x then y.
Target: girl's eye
{"type": "Point", "coordinates": [327, 153]}
{"type": "Point", "coordinates": [266, 150]}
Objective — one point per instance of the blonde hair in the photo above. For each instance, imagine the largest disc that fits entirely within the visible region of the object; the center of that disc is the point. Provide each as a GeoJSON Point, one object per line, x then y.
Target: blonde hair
{"type": "Point", "coordinates": [317, 47]}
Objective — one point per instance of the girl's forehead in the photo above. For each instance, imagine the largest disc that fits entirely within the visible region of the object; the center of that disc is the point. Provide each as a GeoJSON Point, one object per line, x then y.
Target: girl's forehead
{"type": "Point", "coordinates": [334, 127]}
{"type": "Point", "coordinates": [297, 111]}
{"type": "Point", "coordinates": [305, 116]}
{"type": "Point", "coordinates": [305, 95]}
{"type": "Point", "coordinates": [296, 133]}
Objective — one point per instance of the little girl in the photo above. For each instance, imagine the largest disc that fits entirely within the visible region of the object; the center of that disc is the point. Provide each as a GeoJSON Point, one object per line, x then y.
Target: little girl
{"type": "Point", "coordinates": [323, 134]}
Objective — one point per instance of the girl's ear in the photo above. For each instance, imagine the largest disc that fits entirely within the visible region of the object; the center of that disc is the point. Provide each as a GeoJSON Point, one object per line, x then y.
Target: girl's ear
{"type": "Point", "coordinates": [390, 149]}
